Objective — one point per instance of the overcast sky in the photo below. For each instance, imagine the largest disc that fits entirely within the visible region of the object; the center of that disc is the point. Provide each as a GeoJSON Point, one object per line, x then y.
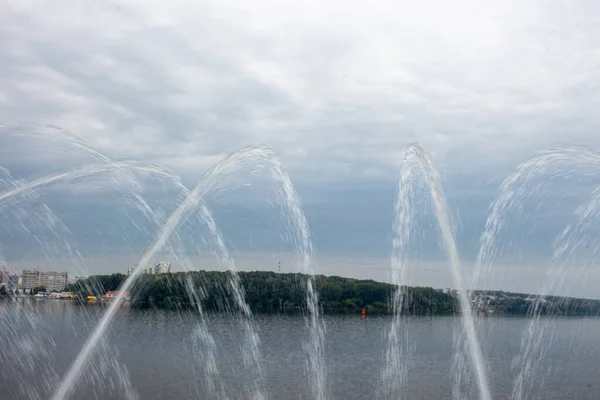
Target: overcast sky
{"type": "Point", "coordinates": [337, 89]}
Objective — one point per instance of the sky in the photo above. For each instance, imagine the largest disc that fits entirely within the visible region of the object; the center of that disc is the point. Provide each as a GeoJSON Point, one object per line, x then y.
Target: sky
{"type": "Point", "coordinates": [336, 89]}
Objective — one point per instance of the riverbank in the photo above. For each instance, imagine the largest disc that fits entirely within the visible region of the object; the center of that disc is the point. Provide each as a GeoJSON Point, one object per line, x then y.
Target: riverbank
{"type": "Point", "coordinates": [270, 292]}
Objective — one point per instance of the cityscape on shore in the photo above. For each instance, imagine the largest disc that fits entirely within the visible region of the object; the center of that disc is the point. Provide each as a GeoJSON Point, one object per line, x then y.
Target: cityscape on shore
{"type": "Point", "coordinates": [334, 292]}
{"type": "Point", "coordinates": [54, 283]}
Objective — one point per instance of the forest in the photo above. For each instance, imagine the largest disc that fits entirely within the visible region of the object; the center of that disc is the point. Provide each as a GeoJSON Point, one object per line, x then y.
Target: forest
{"type": "Point", "coordinates": [271, 292]}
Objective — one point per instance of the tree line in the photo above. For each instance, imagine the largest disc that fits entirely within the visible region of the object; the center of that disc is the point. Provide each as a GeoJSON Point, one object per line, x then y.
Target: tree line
{"type": "Point", "coordinates": [267, 292]}
{"type": "Point", "coordinates": [271, 292]}
{"type": "Point", "coordinates": [526, 304]}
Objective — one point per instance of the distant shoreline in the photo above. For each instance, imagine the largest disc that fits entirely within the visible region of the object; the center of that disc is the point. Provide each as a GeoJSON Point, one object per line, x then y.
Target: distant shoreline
{"type": "Point", "coordinates": [298, 313]}
{"type": "Point", "coordinates": [271, 292]}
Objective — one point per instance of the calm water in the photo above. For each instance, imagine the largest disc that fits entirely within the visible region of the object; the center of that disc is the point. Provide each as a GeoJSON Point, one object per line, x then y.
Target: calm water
{"type": "Point", "coordinates": [151, 355]}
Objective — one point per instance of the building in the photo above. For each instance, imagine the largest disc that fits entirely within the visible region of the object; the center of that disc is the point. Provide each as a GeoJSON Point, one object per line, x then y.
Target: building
{"type": "Point", "coordinates": [52, 281]}
{"type": "Point", "coordinates": [30, 279]}
{"type": "Point", "coordinates": [162, 267]}
{"type": "Point", "coordinates": [113, 293]}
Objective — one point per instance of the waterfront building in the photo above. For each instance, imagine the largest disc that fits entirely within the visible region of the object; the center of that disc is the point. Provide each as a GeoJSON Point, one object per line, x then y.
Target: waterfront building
{"type": "Point", "coordinates": [113, 293]}
{"type": "Point", "coordinates": [52, 280]}
{"type": "Point", "coordinates": [30, 279]}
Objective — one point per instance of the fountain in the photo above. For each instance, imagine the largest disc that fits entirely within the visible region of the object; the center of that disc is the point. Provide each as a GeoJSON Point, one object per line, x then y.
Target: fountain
{"type": "Point", "coordinates": [420, 191]}
{"type": "Point", "coordinates": [417, 161]}
{"type": "Point", "coordinates": [419, 175]}
{"type": "Point", "coordinates": [193, 203]}
{"type": "Point", "coordinates": [562, 162]}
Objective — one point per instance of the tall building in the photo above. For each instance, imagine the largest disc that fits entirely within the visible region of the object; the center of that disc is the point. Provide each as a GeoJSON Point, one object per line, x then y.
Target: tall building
{"type": "Point", "coordinates": [52, 281]}
{"type": "Point", "coordinates": [163, 267]}
{"type": "Point", "coordinates": [30, 279]}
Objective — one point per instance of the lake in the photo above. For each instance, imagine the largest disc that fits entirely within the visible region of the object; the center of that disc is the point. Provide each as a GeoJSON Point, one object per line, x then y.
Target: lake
{"type": "Point", "coordinates": [153, 355]}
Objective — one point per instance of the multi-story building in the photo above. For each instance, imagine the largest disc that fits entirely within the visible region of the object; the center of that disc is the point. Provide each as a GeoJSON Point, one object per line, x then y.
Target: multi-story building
{"type": "Point", "coordinates": [162, 267]}
{"type": "Point", "coordinates": [52, 281]}
{"type": "Point", "coordinates": [30, 279]}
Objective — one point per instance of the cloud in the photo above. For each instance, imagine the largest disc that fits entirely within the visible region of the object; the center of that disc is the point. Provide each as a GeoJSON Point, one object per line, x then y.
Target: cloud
{"type": "Point", "coordinates": [337, 89]}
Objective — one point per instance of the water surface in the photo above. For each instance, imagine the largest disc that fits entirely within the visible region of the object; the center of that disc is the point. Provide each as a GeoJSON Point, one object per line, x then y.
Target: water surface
{"type": "Point", "coordinates": [151, 354]}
